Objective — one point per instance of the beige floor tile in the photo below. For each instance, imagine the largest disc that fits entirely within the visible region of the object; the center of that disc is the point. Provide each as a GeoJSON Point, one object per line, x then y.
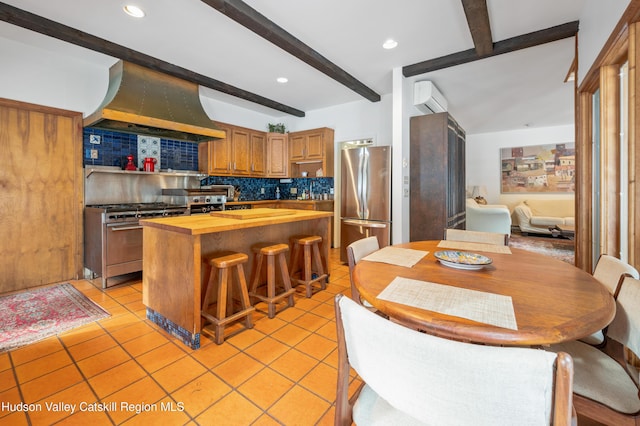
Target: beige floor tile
{"type": "Point", "coordinates": [62, 404]}
{"type": "Point", "coordinates": [310, 322]}
{"type": "Point", "coordinates": [245, 337]}
{"type": "Point", "coordinates": [82, 334]}
{"type": "Point", "coordinates": [7, 380]}
{"type": "Point", "coordinates": [145, 343]}
{"type": "Point", "coordinates": [325, 310]}
{"type": "Point", "coordinates": [290, 314]}
{"type": "Point", "coordinates": [267, 325]}
{"type": "Point", "coordinates": [5, 362]}
{"type": "Point", "coordinates": [321, 381]}
{"type": "Point", "coordinates": [234, 409]}
{"type": "Point", "coordinates": [41, 366]}
{"type": "Point", "coordinates": [200, 393]}
{"type": "Point", "coordinates": [266, 420]}
{"type": "Point", "coordinates": [15, 419]}
{"type": "Point", "coordinates": [165, 412]}
{"type": "Point", "coordinates": [328, 330]}
{"type": "Point", "coordinates": [290, 334]}
{"type": "Point", "coordinates": [35, 350]}
{"type": "Point", "coordinates": [144, 391]}
{"type": "Point", "coordinates": [160, 357]}
{"type": "Point", "coordinates": [179, 373]}
{"type": "Point", "coordinates": [212, 355]}
{"type": "Point", "coordinates": [237, 369]}
{"type": "Point", "coordinates": [294, 364]}
{"type": "Point", "coordinates": [131, 332]}
{"type": "Point", "coordinates": [267, 350]}
{"type": "Point", "coordinates": [120, 321]}
{"type": "Point", "coordinates": [265, 388]}
{"type": "Point", "coordinates": [91, 347]}
{"type": "Point", "coordinates": [103, 361]}
{"type": "Point", "coordinates": [116, 378]}
{"type": "Point", "coordinates": [84, 418]}
{"type": "Point", "coordinates": [51, 383]}
{"type": "Point", "coordinates": [316, 346]}
{"type": "Point", "coordinates": [299, 407]}
{"type": "Point", "coordinates": [11, 396]}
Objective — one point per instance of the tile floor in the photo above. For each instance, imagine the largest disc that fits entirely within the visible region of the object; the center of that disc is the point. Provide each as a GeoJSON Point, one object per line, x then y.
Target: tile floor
{"type": "Point", "coordinates": [125, 370]}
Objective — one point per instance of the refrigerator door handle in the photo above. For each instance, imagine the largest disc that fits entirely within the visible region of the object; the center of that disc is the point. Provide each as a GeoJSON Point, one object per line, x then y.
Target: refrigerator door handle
{"type": "Point", "coordinates": [365, 224]}
{"type": "Point", "coordinates": [365, 183]}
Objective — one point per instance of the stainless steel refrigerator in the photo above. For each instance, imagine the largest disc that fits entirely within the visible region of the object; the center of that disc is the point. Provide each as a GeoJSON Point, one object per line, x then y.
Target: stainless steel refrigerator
{"type": "Point", "coordinates": [365, 191]}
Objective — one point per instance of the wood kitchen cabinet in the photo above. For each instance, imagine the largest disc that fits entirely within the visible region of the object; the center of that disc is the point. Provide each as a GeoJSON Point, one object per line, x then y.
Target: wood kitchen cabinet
{"type": "Point", "coordinates": [310, 151]}
{"type": "Point", "coordinates": [241, 153]}
{"type": "Point", "coordinates": [277, 155]}
{"type": "Point", "coordinates": [437, 176]}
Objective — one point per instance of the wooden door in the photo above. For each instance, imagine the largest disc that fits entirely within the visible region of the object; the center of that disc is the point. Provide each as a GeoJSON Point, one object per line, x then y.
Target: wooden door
{"type": "Point", "coordinates": [241, 152]}
{"type": "Point", "coordinates": [277, 155]}
{"type": "Point", "coordinates": [297, 147]}
{"type": "Point", "coordinates": [41, 200]}
{"type": "Point", "coordinates": [258, 154]}
{"type": "Point", "coordinates": [220, 154]}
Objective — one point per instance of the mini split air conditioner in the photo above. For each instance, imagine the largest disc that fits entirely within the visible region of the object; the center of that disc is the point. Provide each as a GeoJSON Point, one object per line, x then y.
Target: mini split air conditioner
{"type": "Point", "coordinates": [427, 98]}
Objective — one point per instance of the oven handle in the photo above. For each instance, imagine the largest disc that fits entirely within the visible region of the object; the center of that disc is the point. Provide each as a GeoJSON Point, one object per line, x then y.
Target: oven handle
{"type": "Point", "coordinates": [124, 227]}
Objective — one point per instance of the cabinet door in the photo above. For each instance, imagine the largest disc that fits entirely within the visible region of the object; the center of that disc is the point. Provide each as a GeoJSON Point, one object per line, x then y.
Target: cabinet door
{"type": "Point", "coordinates": [277, 155]}
{"type": "Point", "coordinates": [297, 147]}
{"type": "Point", "coordinates": [315, 146]}
{"type": "Point", "coordinates": [241, 152]}
{"type": "Point", "coordinates": [220, 156]}
{"type": "Point", "coordinates": [258, 154]}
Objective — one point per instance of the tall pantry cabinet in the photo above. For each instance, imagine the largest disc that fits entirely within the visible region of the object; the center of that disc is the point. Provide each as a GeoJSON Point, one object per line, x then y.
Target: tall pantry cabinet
{"type": "Point", "coordinates": [437, 170]}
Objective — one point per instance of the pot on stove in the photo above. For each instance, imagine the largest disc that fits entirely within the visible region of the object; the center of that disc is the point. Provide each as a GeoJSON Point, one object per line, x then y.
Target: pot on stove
{"type": "Point", "coordinates": [149, 164]}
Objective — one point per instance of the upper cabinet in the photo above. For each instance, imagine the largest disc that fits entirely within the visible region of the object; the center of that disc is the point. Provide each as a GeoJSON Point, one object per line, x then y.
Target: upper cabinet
{"type": "Point", "coordinates": [311, 151]}
{"type": "Point", "coordinates": [241, 153]}
{"type": "Point", "coordinates": [277, 155]}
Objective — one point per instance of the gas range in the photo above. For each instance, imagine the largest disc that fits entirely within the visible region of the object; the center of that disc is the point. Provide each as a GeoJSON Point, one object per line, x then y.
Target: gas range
{"type": "Point", "coordinates": [200, 200]}
{"type": "Point", "coordinates": [131, 212]}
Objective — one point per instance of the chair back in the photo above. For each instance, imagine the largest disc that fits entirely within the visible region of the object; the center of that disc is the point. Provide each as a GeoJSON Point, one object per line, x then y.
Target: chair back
{"type": "Point", "coordinates": [610, 270]}
{"type": "Point", "coordinates": [476, 237]}
{"type": "Point", "coordinates": [625, 327]}
{"type": "Point", "coordinates": [356, 251]}
{"type": "Point", "coordinates": [446, 382]}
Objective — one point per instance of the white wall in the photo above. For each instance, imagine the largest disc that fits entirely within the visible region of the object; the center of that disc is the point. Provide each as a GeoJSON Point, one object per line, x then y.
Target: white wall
{"type": "Point", "coordinates": [483, 159]}
{"type": "Point", "coordinates": [597, 21]}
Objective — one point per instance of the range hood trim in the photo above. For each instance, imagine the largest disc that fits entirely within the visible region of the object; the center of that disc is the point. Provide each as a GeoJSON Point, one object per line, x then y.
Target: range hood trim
{"type": "Point", "coordinates": [146, 102]}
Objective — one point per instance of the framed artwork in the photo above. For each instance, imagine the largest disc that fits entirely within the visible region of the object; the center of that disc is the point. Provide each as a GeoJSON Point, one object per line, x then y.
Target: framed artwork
{"type": "Point", "coordinates": [538, 168]}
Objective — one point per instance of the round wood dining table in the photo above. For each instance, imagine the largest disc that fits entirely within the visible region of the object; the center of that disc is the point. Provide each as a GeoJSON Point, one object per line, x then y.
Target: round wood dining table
{"type": "Point", "coordinates": [553, 301]}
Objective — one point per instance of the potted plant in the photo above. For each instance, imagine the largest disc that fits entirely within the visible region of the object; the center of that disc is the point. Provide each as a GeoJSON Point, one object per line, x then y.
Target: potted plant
{"type": "Point", "coordinates": [277, 128]}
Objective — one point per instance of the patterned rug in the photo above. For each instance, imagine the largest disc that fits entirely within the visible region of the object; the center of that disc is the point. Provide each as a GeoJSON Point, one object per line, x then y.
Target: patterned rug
{"type": "Point", "coordinates": [33, 315]}
{"type": "Point", "coordinates": [559, 248]}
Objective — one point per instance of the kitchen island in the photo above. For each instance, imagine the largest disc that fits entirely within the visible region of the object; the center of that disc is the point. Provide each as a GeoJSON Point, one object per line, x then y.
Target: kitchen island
{"type": "Point", "coordinates": [173, 249]}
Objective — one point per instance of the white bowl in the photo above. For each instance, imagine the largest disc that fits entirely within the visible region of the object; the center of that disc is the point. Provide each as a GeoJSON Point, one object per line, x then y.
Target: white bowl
{"type": "Point", "coordinates": [305, 174]}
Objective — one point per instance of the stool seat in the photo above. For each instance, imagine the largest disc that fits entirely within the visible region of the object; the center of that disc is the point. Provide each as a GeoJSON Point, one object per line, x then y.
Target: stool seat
{"type": "Point", "coordinates": [267, 252]}
{"type": "Point", "coordinates": [307, 265]}
{"type": "Point", "coordinates": [219, 290]}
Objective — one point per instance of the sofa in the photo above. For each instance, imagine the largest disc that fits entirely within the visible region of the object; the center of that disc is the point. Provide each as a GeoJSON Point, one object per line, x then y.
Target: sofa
{"type": "Point", "coordinates": [488, 217]}
{"type": "Point", "coordinates": [538, 215]}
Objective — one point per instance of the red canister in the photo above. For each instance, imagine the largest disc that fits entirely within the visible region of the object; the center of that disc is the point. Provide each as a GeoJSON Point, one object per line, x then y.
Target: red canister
{"type": "Point", "coordinates": [149, 164]}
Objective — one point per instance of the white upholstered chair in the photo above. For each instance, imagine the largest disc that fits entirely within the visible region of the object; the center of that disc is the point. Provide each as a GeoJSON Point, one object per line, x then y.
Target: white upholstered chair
{"type": "Point", "coordinates": [416, 378]}
{"type": "Point", "coordinates": [610, 271]}
{"type": "Point", "coordinates": [356, 251]}
{"type": "Point", "coordinates": [605, 382]}
{"type": "Point", "coordinates": [476, 236]}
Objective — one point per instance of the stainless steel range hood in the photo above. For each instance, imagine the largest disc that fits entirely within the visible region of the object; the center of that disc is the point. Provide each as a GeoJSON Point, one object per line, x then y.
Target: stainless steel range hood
{"type": "Point", "coordinates": [147, 102]}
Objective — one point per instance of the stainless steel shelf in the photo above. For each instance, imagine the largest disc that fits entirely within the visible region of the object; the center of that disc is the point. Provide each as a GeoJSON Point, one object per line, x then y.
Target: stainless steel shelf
{"type": "Point", "coordinates": [114, 170]}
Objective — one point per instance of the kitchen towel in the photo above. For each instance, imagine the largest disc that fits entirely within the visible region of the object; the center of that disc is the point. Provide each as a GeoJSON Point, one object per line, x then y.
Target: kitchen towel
{"type": "Point", "coordinates": [487, 308]}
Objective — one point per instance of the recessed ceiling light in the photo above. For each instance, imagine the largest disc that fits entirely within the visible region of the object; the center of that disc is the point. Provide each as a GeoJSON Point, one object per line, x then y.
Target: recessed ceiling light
{"type": "Point", "coordinates": [390, 44]}
{"type": "Point", "coordinates": [282, 80]}
{"type": "Point", "coordinates": [134, 11]}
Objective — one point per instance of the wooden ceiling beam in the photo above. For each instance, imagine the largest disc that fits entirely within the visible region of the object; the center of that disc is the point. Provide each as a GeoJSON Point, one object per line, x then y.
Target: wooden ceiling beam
{"type": "Point", "coordinates": [50, 28]}
{"type": "Point", "coordinates": [250, 18]}
{"type": "Point", "coordinates": [536, 38]}
{"type": "Point", "coordinates": [478, 20]}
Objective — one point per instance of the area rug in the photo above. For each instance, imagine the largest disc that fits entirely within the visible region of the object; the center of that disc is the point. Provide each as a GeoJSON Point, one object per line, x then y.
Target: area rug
{"type": "Point", "coordinates": [558, 248]}
{"type": "Point", "coordinates": [33, 315]}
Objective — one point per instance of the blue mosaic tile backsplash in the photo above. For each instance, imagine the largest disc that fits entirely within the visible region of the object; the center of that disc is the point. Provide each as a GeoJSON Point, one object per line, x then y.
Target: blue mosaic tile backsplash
{"type": "Point", "coordinates": [177, 155]}
{"type": "Point", "coordinates": [250, 188]}
{"type": "Point", "coordinates": [115, 146]}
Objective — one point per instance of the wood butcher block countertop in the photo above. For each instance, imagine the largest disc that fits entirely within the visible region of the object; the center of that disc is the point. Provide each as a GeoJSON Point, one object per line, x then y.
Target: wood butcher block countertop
{"type": "Point", "coordinates": [207, 224]}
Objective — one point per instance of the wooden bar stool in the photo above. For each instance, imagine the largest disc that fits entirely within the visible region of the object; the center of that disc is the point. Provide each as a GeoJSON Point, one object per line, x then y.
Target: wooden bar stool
{"type": "Point", "coordinates": [221, 292]}
{"type": "Point", "coordinates": [267, 253]}
{"type": "Point", "coordinates": [307, 263]}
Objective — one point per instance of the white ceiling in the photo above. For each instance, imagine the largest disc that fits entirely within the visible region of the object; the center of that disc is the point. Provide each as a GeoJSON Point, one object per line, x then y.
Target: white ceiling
{"type": "Point", "coordinates": [511, 91]}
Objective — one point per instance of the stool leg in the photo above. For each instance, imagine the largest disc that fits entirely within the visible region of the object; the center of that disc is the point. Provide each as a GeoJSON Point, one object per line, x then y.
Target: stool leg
{"type": "Point", "coordinates": [255, 273]}
{"type": "Point", "coordinates": [244, 295]}
{"type": "Point", "coordinates": [320, 267]}
{"type": "Point", "coordinates": [307, 269]}
{"type": "Point", "coordinates": [271, 284]}
{"type": "Point", "coordinates": [221, 307]}
{"type": "Point", "coordinates": [208, 286]}
{"type": "Point", "coordinates": [285, 278]}
{"type": "Point", "coordinates": [295, 259]}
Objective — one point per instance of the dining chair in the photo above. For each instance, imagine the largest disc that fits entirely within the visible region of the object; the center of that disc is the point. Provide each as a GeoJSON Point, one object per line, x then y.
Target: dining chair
{"type": "Point", "coordinates": [356, 251]}
{"type": "Point", "coordinates": [606, 379]}
{"type": "Point", "coordinates": [409, 377]}
{"type": "Point", "coordinates": [476, 236]}
{"type": "Point", "coordinates": [610, 271]}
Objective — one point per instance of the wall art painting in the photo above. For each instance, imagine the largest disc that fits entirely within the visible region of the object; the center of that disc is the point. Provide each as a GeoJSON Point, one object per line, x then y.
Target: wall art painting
{"type": "Point", "coordinates": [538, 168]}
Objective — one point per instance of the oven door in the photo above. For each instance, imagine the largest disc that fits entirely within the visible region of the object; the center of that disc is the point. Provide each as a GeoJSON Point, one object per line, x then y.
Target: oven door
{"type": "Point", "coordinates": [123, 248]}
